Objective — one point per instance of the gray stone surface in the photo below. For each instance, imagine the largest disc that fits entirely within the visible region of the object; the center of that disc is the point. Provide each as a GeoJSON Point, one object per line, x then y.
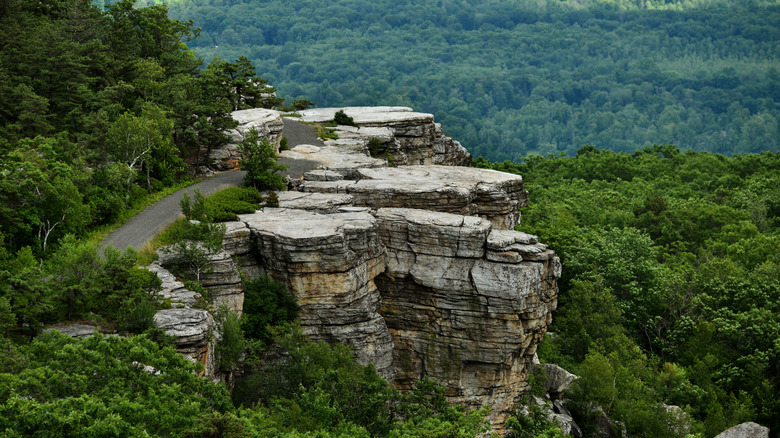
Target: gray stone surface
{"type": "Point", "coordinates": [76, 330]}
{"type": "Point", "coordinates": [408, 136]}
{"type": "Point", "coordinates": [467, 191]}
{"type": "Point", "coordinates": [334, 159]}
{"type": "Point", "coordinates": [268, 124]}
{"type": "Point", "coordinates": [329, 262]}
{"type": "Point", "coordinates": [469, 323]}
{"type": "Point", "coordinates": [745, 430]}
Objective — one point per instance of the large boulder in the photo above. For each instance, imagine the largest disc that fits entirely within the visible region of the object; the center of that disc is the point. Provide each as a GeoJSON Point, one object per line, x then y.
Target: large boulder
{"type": "Point", "coordinates": [407, 136]}
{"type": "Point", "coordinates": [745, 430]}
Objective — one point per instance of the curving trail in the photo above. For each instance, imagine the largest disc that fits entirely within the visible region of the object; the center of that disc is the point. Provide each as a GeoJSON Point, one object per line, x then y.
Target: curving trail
{"type": "Point", "coordinates": [155, 218]}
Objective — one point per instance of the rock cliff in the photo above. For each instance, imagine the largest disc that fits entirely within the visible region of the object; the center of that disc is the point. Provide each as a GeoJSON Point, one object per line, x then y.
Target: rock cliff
{"type": "Point", "coordinates": [416, 267]}
{"type": "Point", "coordinates": [410, 137]}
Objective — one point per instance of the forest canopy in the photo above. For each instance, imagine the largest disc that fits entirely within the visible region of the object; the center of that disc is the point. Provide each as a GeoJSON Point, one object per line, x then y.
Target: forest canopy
{"type": "Point", "coordinates": [512, 78]}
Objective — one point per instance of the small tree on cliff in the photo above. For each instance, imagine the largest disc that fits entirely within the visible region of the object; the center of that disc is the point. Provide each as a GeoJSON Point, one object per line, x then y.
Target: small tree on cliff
{"type": "Point", "coordinates": [259, 161]}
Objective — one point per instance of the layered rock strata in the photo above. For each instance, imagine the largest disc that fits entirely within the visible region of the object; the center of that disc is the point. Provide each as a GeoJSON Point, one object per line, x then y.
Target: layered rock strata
{"type": "Point", "coordinates": [469, 322]}
{"type": "Point", "coordinates": [409, 137]}
{"type": "Point", "coordinates": [496, 196]}
{"type": "Point", "coordinates": [417, 267]}
{"type": "Point", "coordinates": [329, 262]}
{"type": "Point", "coordinates": [192, 329]}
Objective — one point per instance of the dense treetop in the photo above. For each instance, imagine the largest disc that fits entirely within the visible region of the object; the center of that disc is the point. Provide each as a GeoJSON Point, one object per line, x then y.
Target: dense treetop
{"type": "Point", "coordinates": [670, 285]}
{"type": "Point", "coordinates": [510, 78]}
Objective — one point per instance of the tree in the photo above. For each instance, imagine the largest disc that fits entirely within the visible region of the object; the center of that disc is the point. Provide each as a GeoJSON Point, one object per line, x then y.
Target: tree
{"type": "Point", "coordinates": [134, 139]}
{"type": "Point", "coordinates": [259, 161]}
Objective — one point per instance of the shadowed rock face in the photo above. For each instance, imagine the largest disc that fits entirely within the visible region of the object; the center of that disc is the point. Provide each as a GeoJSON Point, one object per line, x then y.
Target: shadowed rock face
{"type": "Point", "coordinates": [470, 323]}
{"type": "Point", "coordinates": [329, 263]}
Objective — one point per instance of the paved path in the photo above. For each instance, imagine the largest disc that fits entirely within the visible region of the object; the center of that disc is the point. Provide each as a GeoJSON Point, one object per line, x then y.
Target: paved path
{"type": "Point", "coordinates": [158, 216]}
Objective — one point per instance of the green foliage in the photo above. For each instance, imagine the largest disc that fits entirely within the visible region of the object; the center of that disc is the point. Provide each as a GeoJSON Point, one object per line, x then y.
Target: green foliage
{"type": "Point", "coordinates": [259, 161]}
{"type": "Point", "coordinates": [325, 133]}
{"type": "Point", "coordinates": [231, 343]}
{"type": "Point", "coordinates": [99, 387]}
{"type": "Point", "coordinates": [226, 204]}
{"type": "Point", "coordinates": [532, 424]}
{"type": "Point", "coordinates": [315, 388]}
{"type": "Point", "coordinates": [266, 304]}
{"type": "Point", "coordinates": [194, 209]}
{"type": "Point", "coordinates": [191, 254]}
{"type": "Point", "coordinates": [342, 119]}
{"type": "Point", "coordinates": [655, 252]}
{"type": "Point", "coordinates": [510, 78]}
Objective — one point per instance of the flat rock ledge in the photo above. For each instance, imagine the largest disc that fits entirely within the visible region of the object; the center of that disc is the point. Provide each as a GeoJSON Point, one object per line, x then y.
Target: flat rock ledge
{"type": "Point", "coordinates": [468, 191]}
{"type": "Point", "coordinates": [407, 136]}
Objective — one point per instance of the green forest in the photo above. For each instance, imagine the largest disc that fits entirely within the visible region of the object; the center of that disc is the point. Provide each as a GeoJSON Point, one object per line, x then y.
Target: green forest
{"type": "Point", "coordinates": [512, 78]}
{"type": "Point", "coordinates": [671, 282]}
{"type": "Point", "coordinates": [646, 132]}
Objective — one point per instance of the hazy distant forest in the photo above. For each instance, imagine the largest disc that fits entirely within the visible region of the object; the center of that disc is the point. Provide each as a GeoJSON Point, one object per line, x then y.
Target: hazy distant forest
{"type": "Point", "coordinates": [511, 78]}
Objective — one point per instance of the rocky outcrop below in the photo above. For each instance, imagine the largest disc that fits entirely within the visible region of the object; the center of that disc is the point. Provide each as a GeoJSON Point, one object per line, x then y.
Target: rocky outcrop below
{"type": "Point", "coordinates": [469, 322]}
{"type": "Point", "coordinates": [329, 262]}
{"type": "Point", "coordinates": [191, 328]}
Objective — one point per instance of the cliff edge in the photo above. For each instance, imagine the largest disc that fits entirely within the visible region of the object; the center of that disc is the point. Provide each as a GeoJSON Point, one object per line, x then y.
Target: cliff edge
{"type": "Point", "coordinates": [409, 257]}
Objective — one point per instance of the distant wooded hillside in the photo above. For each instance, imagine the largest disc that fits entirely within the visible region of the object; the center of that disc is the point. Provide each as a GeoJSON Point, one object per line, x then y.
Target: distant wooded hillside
{"type": "Point", "coordinates": [509, 78]}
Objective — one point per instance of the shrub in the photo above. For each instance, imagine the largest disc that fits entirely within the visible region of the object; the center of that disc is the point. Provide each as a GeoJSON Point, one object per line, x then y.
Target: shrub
{"type": "Point", "coordinates": [227, 204]}
{"type": "Point", "coordinates": [259, 161]}
{"type": "Point", "coordinates": [266, 303]}
{"type": "Point", "coordinates": [341, 118]}
{"type": "Point", "coordinates": [231, 339]}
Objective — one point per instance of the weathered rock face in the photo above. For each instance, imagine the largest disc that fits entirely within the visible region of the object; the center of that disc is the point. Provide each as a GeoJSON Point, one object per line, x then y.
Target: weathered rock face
{"type": "Point", "coordinates": [745, 430]}
{"type": "Point", "coordinates": [417, 267]}
{"type": "Point", "coordinates": [329, 262]}
{"type": "Point", "coordinates": [496, 196]}
{"type": "Point", "coordinates": [221, 278]}
{"type": "Point", "coordinates": [471, 323]}
{"type": "Point", "coordinates": [191, 328]}
{"type": "Point", "coordinates": [410, 137]}
{"type": "Point", "coordinates": [268, 124]}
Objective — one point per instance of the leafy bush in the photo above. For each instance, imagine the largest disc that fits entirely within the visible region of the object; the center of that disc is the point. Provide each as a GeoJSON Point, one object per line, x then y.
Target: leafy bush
{"type": "Point", "coordinates": [341, 118]}
{"type": "Point", "coordinates": [259, 161]}
{"type": "Point", "coordinates": [266, 304]}
{"type": "Point", "coordinates": [227, 204]}
{"type": "Point", "coordinates": [231, 342]}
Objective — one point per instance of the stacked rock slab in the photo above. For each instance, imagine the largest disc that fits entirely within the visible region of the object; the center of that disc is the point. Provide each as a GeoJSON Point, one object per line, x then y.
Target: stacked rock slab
{"type": "Point", "coordinates": [410, 137]}
{"type": "Point", "coordinates": [329, 262]}
{"type": "Point", "coordinates": [190, 328]}
{"type": "Point", "coordinates": [496, 196]}
{"type": "Point", "coordinates": [469, 322]}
